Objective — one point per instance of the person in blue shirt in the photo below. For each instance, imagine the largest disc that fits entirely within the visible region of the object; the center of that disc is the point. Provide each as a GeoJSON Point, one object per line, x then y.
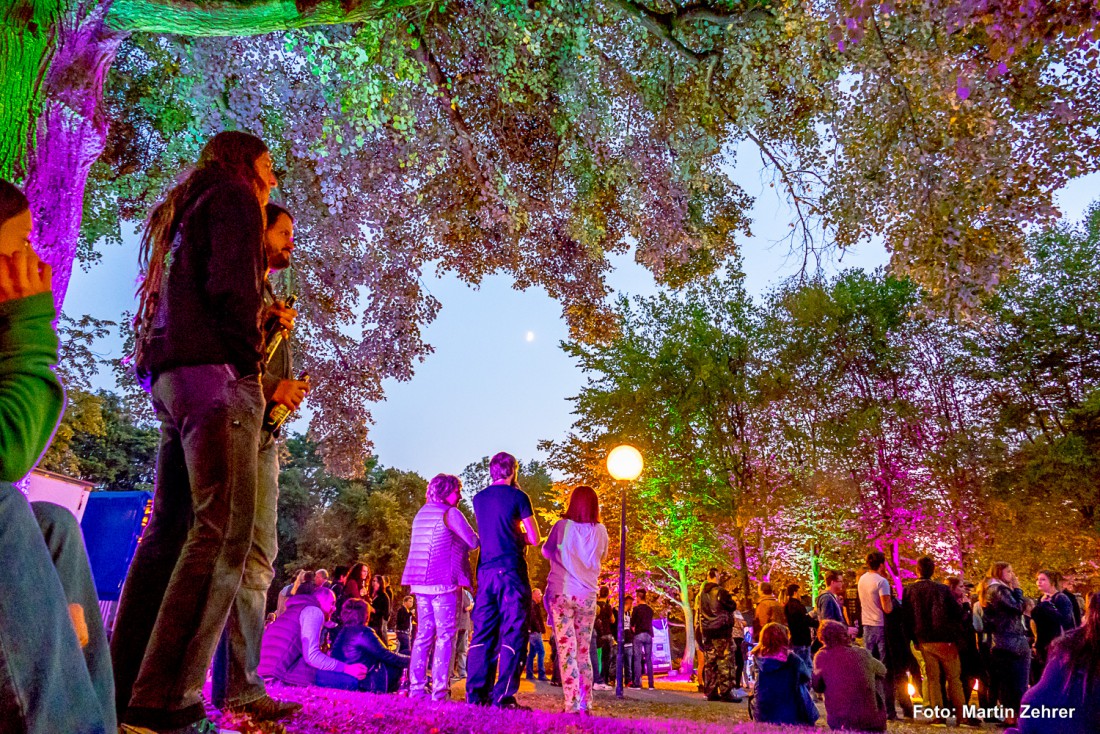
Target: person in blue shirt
{"type": "Point", "coordinates": [506, 523]}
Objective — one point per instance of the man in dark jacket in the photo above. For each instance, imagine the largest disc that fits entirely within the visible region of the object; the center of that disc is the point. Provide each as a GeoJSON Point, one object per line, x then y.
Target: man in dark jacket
{"type": "Point", "coordinates": [641, 625]}
{"type": "Point", "coordinates": [236, 686]}
{"type": "Point", "coordinates": [932, 618]}
{"type": "Point", "coordinates": [800, 624]}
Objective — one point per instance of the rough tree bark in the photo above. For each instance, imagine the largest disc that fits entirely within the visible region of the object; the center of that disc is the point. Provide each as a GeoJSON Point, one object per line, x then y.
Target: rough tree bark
{"type": "Point", "coordinates": [70, 133]}
{"type": "Point", "coordinates": [687, 663]}
{"type": "Point", "coordinates": [24, 38]}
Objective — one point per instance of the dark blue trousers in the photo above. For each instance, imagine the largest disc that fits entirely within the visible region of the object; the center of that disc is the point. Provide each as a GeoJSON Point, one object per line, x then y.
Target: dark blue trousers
{"type": "Point", "coordinates": [498, 647]}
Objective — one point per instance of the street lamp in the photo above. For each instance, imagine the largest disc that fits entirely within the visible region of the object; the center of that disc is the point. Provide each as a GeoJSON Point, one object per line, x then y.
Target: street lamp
{"type": "Point", "coordinates": [624, 463]}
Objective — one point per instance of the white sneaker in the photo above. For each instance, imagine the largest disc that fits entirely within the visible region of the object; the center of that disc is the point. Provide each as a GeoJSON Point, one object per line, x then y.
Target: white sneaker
{"type": "Point", "coordinates": [740, 693]}
{"type": "Point", "coordinates": [601, 687]}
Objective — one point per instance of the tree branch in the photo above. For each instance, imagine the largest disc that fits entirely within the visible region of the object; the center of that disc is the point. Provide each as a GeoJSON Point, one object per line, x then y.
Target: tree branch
{"type": "Point", "coordinates": [243, 18]}
{"type": "Point", "coordinates": [661, 25]}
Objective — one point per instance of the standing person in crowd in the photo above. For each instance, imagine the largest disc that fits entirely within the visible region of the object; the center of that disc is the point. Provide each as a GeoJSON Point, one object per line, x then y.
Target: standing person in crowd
{"type": "Point", "coordinates": [628, 641]}
{"type": "Point", "coordinates": [462, 633]}
{"type": "Point", "coordinates": [577, 544]}
{"type": "Point", "coordinates": [769, 609]}
{"type": "Point", "coordinates": [237, 687]}
{"type": "Point", "coordinates": [781, 692]}
{"type": "Point", "coordinates": [851, 680]}
{"type": "Point", "coordinates": [899, 661]}
{"type": "Point", "coordinates": [830, 602]}
{"type": "Point", "coordinates": [716, 606]}
{"type": "Point", "coordinates": [359, 644]}
{"type": "Point", "coordinates": [641, 624]}
{"type": "Point", "coordinates": [737, 645]}
{"type": "Point", "coordinates": [875, 603]}
{"type": "Point", "coordinates": [339, 581]}
{"type": "Point", "coordinates": [932, 617]}
{"type": "Point", "coordinates": [1051, 617]}
{"type": "Point", "coordinates": [700, 641]}
{"type": "Point", "coordinates": [853, 611]}
{"type": "Point", "coordinates": [507, 525]}
{"type": "Point", "coordinates": [603, 638]}
{"type": "Point", "coordinates": [437, 569]}
{"type": "Point", "coordinates": [48, 609]}
{"type": "Point", "coordinates": [970, 662]}
{"type": "Point", "coordinates": [358, 583]}
{"type": "Point", "coordinates": [1003, 607]}
{"type": "Point", "coordinates": [198, 349]}
{"type": "Point", "coordinates": [536, 629]}
{"type": "Point", "coordinates": [290, 653]}
{"type": "Point", "coordinates": [406, 620]}
{"type": "Point", "coordinates": [1070, 682]}
{"type": "Point", "coordinates": [380, 603]}
{"type": "Point", "coordinates": [320, 576]}
{"type": "Point", "coordinates": [800, 623]}
{"type": "Point", "coordinates": [555, 579]}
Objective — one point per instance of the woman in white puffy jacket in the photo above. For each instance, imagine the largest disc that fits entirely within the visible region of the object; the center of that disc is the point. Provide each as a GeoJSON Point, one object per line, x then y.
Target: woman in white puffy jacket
{"type": "Point", "coordinates": [576, 547]}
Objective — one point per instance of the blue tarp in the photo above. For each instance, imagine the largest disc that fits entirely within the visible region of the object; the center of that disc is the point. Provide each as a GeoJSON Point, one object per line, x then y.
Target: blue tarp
{"type": "Point", "coordinates": [112, 525]}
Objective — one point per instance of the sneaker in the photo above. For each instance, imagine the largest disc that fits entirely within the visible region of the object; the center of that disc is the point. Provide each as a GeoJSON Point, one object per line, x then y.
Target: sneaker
{"type": "Point", "coordinates": [740, 692]}
{"type": "Point", "coordinates": [555, 683]}
{"type": "Point", "coordinates": [267, 708]}
{"type": "Point", "coordinates": [601, 687]}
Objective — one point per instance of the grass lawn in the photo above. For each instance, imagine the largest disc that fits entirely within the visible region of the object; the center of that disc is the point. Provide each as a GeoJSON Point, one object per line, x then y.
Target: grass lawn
{"type": "Point", "coordinates": [674, 708]}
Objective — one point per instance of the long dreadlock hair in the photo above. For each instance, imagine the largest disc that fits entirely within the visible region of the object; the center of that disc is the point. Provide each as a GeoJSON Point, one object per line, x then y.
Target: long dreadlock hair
{"type": "Point", "coordinates": [227, 156]}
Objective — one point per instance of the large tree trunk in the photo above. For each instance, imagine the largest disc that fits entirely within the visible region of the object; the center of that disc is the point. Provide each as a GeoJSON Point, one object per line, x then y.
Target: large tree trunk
{"type": "Point", "coordinates": [24, 39]}
{"type": "Point", "coordinates": [687, 663]}
{"type": "Point", "coordinates": [70, 133]}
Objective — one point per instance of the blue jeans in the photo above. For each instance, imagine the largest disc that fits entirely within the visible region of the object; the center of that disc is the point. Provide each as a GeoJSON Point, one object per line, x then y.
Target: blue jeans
{"type": "Point", "coordinates": [874, 639]}
{"type": "Point", "coordinates": [643, 657]}
{"type": "Point", "coordinates": [803, 651]}
{"type": "Point", "coordinates": [499, 643]}
{"type": "Point", "coordinates": [535, 648]}
{"type": "Point", "coordinates": [190, 562]}
{"type": "Point", "coordinates": [435, 638]}
{"type": "Point", "coordinates": [47, 684]}
{"type": "Point", "coordinates": [235, 680]}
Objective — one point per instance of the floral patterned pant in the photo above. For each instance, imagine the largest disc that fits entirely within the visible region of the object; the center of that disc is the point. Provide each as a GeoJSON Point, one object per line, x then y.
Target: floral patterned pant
{"type": "Point", "coordinates": [573, 620]}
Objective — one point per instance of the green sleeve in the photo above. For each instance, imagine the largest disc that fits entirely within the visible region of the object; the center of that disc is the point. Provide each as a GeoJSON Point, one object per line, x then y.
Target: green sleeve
{"type": "Point", "coordinates": [31, 397]}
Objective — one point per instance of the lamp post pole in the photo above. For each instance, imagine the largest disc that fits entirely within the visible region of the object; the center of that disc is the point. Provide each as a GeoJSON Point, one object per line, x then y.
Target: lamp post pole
{"type": "Point", "coordinates": [622, 589]}
{"type": "Point", "coordinates": [624, 464]}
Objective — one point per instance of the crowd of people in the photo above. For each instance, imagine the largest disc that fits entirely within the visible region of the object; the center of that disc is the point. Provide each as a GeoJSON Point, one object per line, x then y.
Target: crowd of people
{"type": "Point", "coordinates": [979, 654]}
{"type": "Point", "coordinates": [212, 349]}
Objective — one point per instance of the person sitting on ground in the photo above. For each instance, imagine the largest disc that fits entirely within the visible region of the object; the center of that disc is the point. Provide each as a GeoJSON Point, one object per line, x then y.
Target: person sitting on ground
{"type": "Point", "coordinates": [781, 696]}
{"type": "Point", "coordinates": [1070, 682]}
{"type": "Point", "coordinates": [851, 679]}
{"type": "Point", "coordinates": [358, 644]}
{"type": "Point", "coordinates": [290, 652]}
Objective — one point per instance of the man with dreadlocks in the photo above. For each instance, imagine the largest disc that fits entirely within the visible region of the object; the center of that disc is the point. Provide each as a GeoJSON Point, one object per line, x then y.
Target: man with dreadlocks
{"type": "Point", "coordinates": [198, 351]}
{"type": "Point", "coordinates": [237, 685]}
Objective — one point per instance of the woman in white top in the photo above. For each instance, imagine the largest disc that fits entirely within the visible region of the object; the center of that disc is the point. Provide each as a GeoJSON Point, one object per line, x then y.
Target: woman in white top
{"type": "Point", "coordinates": [576, 547]}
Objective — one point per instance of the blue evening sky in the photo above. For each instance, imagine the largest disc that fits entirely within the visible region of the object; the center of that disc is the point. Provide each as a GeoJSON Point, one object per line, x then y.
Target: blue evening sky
{"type": "Point", "coordinates": [489, 386]}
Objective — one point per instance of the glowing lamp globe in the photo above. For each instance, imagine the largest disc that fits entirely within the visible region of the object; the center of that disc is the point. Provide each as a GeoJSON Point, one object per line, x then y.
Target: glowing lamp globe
{"type": "Point", "coordinates": [624, 462]}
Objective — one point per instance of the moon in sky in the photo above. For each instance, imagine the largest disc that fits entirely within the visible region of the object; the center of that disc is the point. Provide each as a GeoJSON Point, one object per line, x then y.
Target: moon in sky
{"type": "Point", "coordinates": [530, 336]}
